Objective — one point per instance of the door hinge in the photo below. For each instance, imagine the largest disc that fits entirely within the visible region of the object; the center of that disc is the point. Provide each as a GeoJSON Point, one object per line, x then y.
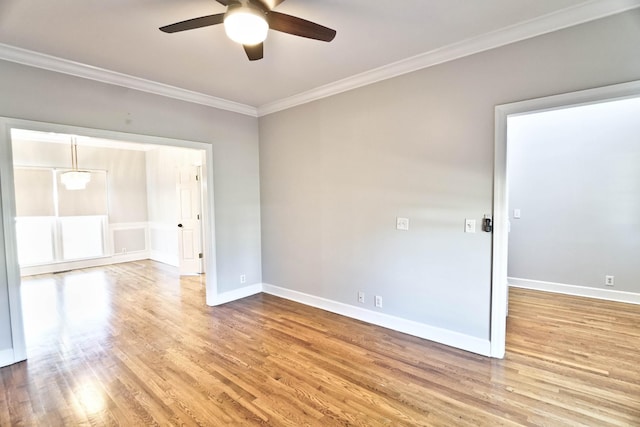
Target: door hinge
{"type": "Point", "coordinates": [197, 178]}
{"type": "Point", "coordinates": [200, 255]}
{"type": "Point", "coordinates": [198, 216]}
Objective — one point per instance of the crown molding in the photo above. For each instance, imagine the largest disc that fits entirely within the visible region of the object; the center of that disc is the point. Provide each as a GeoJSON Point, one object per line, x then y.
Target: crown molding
{"type": "Point", "coordinates": [52, 63]}
{"type": "Point", "coordinates": [585, 12]}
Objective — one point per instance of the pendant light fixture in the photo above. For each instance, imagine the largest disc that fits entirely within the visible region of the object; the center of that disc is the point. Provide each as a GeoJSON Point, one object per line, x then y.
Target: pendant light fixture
{"type": "Point", "coordinates": [75, 179]}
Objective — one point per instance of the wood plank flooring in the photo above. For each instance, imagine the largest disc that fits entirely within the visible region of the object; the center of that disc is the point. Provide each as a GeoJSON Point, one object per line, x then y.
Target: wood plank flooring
{"type": "Point", "coordinates": [133, 344]}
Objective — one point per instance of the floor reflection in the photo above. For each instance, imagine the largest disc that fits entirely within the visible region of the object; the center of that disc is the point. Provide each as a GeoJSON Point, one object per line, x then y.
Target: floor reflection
{"type": "Point", "coordinates": [62, 308]}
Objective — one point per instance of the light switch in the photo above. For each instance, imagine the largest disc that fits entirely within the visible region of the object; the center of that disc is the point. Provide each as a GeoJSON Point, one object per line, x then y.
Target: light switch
{"type": "Point", "coordinates": [402, 223]}
{"type": "Point", "coordinates": [516, 213]}
{"type": "Point", "coordinates": [469, 225]}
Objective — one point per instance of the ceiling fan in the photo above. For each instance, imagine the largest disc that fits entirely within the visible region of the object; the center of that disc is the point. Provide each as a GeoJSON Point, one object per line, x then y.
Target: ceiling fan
{"type": "Point", "coordinates": [248, 21]}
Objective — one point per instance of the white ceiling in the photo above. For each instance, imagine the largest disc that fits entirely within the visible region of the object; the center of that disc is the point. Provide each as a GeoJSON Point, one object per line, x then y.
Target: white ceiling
{"type": "Point", "coordinates": [123, 36]}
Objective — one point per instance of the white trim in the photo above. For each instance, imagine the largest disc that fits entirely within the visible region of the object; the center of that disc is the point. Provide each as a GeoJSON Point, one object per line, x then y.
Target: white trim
{"type": "Point", "coordinates": [52, 63]}
{"type": "Point", "coordinates": [576, 290]}
{"type": "Point", "coordinates": [84, 263]}
{"type": "Point", "coordinates": [119, 226]}
{"type": "Point", "coordinates": [500, 202]}
{"type": "Point", "coordinates": [235, 294]}
{"type": "Point", "coordinates": [421, 330]}
{"type": "Point", "coordinates": [579, 14]}
{"type": "Point", "coordinates": [128, 225]}
{"type": "Point", "coordinates": [6, 357]}
{"type": "Point", "coordinates": [500, 240]}
{"type": "Point", "coordinates": [10, 249]}
{"type": "Point", "coordinates": [164, 258]}
{"type": "Point", "coordinates": [164, 226]}
{"type": "Point", "coordinates": [111, 257]}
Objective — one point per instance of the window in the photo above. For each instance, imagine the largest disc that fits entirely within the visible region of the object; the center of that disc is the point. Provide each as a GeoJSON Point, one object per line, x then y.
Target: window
{"type": "Point", "coordinates": [54, 224]}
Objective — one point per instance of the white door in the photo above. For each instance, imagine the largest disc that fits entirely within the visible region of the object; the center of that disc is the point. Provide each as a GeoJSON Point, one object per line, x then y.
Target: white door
{"type": "Point", "coordinates": [189, 241]}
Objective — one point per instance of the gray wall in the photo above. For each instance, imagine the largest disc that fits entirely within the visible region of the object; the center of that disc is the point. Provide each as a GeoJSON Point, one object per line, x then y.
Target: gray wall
{"type": "Point", "coordinates": [125, 173]}
{"type": "Point", "coordinates": [335, 173]}
{"type": "Point", "coordinates": [574, 174]}
{"type": "Point", "coordinates": [35, 94]}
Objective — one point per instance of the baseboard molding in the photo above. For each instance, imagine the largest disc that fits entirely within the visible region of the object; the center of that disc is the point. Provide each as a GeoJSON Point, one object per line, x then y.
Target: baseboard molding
{"type": "Point", "coordinates": [234, 295]}
{"type": "Point", "coordinates": [6, 357]}
{"type": "Point", "coordinates": [580, 291]}
{"type": "Point", "coordinates": [85, 263]}
{"type": "Point", "coordinates": [431, 333]}
{"type": "Point", "coordinates": [162, 257]}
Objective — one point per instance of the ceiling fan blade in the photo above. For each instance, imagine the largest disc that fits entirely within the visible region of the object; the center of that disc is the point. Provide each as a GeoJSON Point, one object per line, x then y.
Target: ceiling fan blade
{"type": "Point", "coordinates": [254, 52]}
{"type": "Point", "coordinates": [223, 2]}
{"type": "Point", "coordinates": [192, 24]}
{"type": "Point", "coordinates": [299, 27]}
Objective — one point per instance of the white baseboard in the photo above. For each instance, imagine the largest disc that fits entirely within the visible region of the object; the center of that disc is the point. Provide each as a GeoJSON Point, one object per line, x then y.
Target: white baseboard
{"type": "Point", "coordinates": [6, 357]}
{"type": "Point", "coordinates": [233, 295]}
{"type": "Point", "coordinates": [439, 335]}
{"type": "Point", "coordinates": [164, 258]}
{"type": "Point", "coordinates": [85, 263]}
{"type": "Point", "coordinates": [580, 291]}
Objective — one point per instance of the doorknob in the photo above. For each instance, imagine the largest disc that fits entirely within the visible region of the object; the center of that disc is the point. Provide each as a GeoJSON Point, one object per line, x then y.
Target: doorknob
{"type": "Point", "coordinates": [180, 225]}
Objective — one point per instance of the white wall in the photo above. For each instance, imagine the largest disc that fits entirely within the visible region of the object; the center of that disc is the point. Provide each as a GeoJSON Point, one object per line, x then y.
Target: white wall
{"type": "Point", "coordinates": [574, 174]}
{"type": "Point", "coordinates": [40, 95]}
{"type": "Point", "coordinates": [162, 165]}
{"type": "Point", "coordinates": [335, 174]}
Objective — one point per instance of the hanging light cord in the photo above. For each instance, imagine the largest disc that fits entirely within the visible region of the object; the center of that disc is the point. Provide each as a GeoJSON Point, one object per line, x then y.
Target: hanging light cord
{"type": "Point", "coordinates": [74, 154]}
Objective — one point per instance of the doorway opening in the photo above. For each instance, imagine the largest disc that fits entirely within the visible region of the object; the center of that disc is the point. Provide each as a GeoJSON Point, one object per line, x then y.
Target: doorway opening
{"type": "Point", "coordinates": [130, 237]}
{"type": "Point", "coordinates": [502, 211]}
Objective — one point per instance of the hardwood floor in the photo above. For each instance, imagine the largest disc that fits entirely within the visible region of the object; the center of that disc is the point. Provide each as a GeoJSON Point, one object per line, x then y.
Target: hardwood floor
{"type": "Point", "coordinates": [133, 344]}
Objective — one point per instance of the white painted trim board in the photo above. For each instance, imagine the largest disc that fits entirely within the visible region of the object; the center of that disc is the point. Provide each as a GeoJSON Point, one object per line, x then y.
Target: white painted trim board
{"type": "Point", "coordinates": [578, 14]}
{"type": "Point", "coordinates": [235, 294]}
{"type": "Point", "coordinates": [7, 357]}
{"type": "Point", "coordinates": [72, 68]}
{"type": "Point", "coordinates": [421, 330]}
{"type": "Point", "coordinates": [575, 290]}
{"type": "Point", "coordinates": [84, 263]}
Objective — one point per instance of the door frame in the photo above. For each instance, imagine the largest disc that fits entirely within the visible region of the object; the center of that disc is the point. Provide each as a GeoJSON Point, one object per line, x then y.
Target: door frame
{"type": "Point", "coordinates": [9, 209]}
{"type": "Point", "coordinates": [499, 285]}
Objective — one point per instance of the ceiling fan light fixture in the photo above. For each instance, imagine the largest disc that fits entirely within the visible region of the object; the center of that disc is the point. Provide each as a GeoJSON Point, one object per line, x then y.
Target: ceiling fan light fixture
{"type": "Point", "coordinates": [246, 25]}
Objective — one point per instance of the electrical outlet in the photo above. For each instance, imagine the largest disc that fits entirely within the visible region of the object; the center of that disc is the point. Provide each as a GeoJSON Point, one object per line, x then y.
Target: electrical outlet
{"type": "Point", "coordinates": [124, 250]}
{"type": "Point", "coordinates": [608, 281]}
{"type": "Point", "coordinates": [378, 301]}
{"type": "Point", "coordinates": [243, 278]}
{"type": "Point", "coordinates": [361, 297]}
